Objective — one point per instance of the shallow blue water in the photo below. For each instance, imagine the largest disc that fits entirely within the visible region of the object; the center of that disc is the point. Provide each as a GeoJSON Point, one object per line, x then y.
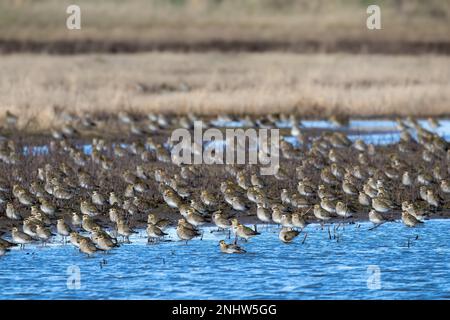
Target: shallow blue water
{"type": "Point", "coordinates": [387, 132]}
{"type": "Point", "coordinates": [363, 264]}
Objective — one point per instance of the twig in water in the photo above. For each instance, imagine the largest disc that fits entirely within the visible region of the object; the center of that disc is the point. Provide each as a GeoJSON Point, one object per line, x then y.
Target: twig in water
{"type": "Point", "coordinates": [376, 226]}
{"type": "Point", "coordinates": [304, 238]}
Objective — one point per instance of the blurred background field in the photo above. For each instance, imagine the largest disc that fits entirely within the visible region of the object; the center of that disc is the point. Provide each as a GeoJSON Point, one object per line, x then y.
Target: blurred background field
{"type": "Point", "coordinates": [312, 58]}
{"type": "Point", "coordinates": [313, 85]}
{"type": "Point", "coordinates": [261, 24]}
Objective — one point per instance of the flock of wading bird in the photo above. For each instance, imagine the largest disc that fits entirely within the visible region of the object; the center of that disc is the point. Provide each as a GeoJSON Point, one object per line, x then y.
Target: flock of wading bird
{"type": "Point", "coordinates": [98, 199]}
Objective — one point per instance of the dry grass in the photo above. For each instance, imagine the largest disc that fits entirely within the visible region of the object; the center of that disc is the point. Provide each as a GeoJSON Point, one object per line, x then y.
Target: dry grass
{"type": "Point", "coordinates": [204, 20]}
{"type": "Point", "coordinates": [211, 83]}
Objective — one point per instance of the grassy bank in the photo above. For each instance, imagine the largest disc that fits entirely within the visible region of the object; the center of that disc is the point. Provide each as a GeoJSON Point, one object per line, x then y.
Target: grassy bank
{"type": "Point", "coordinates": [34, 86]}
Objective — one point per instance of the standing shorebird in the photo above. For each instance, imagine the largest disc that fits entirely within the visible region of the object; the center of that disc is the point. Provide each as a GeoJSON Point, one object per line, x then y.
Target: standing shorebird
{"type": "Point", "coordinates": [76, 219]}
{"type": "Point", "coordinates": [286, 220]}
{"type": "Point", "coordinates": [29, 227]}
{"type": "Point", "coordinates": [194, 218]}
{"type": "Point", "coordinates": [186, 232]}
{"type": "Point", "coordinates": [432, 198]}
{"type": "Point", "coordinates": [276, 214]}
{"type": "Point", "coordinates": [207, 198]}
{"type": "Point", "coordinates": [105, 243]}
{"type": "Point", "coordinates": [230, 248]}
{"type": "Point", "coordinates": [11, 212]}
{"type": "Point", "coordinates": [124, 230]}
{"type": "Point", "coordinates": [20, 237]}
{"type": "Point", "coordinates": [342, 210]}
{"type": "Point", "coordinates": [220, 221]}
{"type": "Point", "coordinates": [115, 215]}
{"type": "Point", "coordinates": [97, 198]}
{"type": "Point", "coordinates": [43, 233]}
{"type": "Point", "coordinates": [328, 205]}
{"type": "Point", "coordinates": [242, 231]}
{"type": "Point", "coordinates": [113, 199]}
{"type": "Point", "coordinates": [162, 224]}
{"type": "Point", "coordinates": [364, 199]}
{"type": "Point", "coordinates": [75, 239]}
{"type": "Point", "coordinates": [238, 204]}
{"type": "Point", "coordinates": [381, 205]}
{"type": "Point", "coordinates": [262, 213]}
{"type": "Point", "coordinates": [298, 221]}
{"type": "Point", "coordinates": [63, 229]}
{"type": "Point", "coordinates": [409, 220]}
{"type": "Point", "coordinates": [154, 233]}
{"type": "Point", "coordinates": [47, 207]}
{"type": "Point", "coordinates": [286, 235]}
{"type": "Point", "coordinates": [376, 218]}
{"type": "Point", "coordinates": [321, 214]}
{"type": "Point", "coordinates": [88, 223]}
{"type": "Point", "coordinates": [172, 199]}
{"type": "Point", "coordinates": [88, 209]}
{"type": "Point", "coordinates": [415, 211]}
{"type": "Point", "coordinates": [87, 246]}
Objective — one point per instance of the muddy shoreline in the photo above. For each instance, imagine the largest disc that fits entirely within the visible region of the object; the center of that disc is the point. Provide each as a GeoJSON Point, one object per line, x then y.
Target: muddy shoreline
{"type": "Point", "coordinates": [115, 156]}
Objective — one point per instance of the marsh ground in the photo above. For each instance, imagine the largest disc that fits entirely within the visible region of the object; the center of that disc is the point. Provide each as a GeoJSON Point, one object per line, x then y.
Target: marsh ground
{"type": "Point", "coordinates": [37, 87]}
